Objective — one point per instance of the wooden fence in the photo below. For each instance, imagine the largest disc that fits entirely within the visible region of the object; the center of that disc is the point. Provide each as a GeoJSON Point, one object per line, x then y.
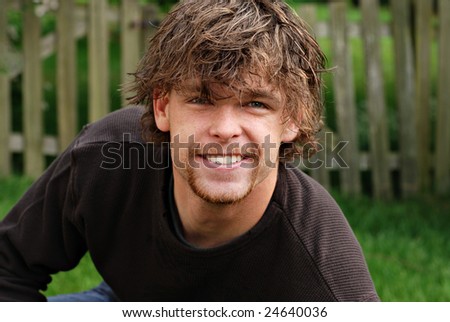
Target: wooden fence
{"type": "Point", "coordinates": [422, 160]}
{"type": "Point", "coordinates": [421, 168]}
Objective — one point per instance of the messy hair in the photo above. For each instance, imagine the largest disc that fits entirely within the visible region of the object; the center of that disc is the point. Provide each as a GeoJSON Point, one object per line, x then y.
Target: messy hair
{"type": "Point", "coordinates": [225, 41]}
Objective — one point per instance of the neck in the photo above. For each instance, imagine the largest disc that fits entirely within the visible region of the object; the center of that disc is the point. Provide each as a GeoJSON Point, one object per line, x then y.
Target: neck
{"type": "Point", "coordinates": [207, 225]}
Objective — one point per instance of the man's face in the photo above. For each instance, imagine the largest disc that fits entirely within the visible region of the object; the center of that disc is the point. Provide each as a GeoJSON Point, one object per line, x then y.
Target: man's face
{"type": "Point", "coordinates": [226, 143]}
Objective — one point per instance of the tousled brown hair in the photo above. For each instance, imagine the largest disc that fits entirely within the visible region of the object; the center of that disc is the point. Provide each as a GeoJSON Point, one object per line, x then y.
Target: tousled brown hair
{"type": "Point", "coordinates": [224, 41]}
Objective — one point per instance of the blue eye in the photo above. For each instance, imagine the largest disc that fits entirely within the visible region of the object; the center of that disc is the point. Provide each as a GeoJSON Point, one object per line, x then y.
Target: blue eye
{"type": "Point", "coordinates": [256, 104]}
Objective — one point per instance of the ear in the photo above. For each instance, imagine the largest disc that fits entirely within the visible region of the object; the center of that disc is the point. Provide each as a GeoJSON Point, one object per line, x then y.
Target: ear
{"type": "Point", "coordinates": [161, 110]}
{"type": "Point", "coordinates": [290, 132]}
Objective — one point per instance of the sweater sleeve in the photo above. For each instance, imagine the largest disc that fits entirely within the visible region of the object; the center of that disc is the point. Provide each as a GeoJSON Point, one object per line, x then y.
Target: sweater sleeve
{"type": "Point", "coordinates": [40, 236]}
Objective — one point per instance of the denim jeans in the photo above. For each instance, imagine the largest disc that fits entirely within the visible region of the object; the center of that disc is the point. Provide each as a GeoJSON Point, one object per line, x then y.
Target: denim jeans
{"type": "Point", "coordinates": [100, 293]}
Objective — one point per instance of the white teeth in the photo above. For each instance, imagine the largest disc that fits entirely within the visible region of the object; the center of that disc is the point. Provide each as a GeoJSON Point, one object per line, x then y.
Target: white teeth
{"type": "Point", "coordinates": [224, 160]}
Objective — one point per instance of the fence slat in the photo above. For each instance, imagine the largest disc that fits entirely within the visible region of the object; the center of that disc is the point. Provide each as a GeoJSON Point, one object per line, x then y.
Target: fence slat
{"type": "Point", "coordinates": [130, 21]}
{"type": "Point", "coordinates": [66, 74]}
{"type": "Point", "coordinates": [404, 81]}
{"type": "Point", "coordinates": [49, 144]}
{"type": "Point", "coordinates": [379, 147]}
{"type": "Point", "coordinates": [308, 13]}
{"type": "Point", "coordinates": [443, 113]}
{"type": "Point", "coordinates": [344, 93]}
{"type": "Point", "coordinates": [423, 80]}
{"type": "Point", "coordinates": [99, 100]}
{"type": "Point", "coordinates": [32, 89]}
{"type": "Point", "coordinates": [5, 98]}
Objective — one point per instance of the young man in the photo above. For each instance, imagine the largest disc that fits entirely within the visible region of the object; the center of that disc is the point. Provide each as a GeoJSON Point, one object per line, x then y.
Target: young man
{"type": "Point", "coordinates": [233, 85]}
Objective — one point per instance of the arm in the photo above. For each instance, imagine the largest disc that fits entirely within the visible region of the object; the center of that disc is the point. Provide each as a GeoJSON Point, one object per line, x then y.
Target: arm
{"type": "Point", "coordinates": [40, 236]}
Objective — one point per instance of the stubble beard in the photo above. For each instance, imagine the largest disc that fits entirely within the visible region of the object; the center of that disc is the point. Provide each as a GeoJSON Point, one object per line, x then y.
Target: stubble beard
{"type": "Point", "coordinates": [227, 198]}
{"type": "Point", "coordinates": [224, 198]}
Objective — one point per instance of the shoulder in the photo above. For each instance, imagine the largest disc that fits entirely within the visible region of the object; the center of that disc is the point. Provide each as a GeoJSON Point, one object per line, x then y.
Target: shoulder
{"type": "Point", "coordinates": [114, 145]}
{"type": "Point", "coordinates": [304, 193]}
{"type": "Point", "coordinates": [115, 141]}
{"type": "Point", "coordinates": [121, 125]}
{"type": "Point", "coordinates": [110, 162]}
{"type": "Point", "coordinates": [312, 211]}
{"type": "Point", "coordinates": [321, 228]}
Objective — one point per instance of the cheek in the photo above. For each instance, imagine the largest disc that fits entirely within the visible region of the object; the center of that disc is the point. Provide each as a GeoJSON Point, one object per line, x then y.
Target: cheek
{"type": "Point", "coordinates": [187, 124]}
{"type": "Point", "coordinates": [184, 134]}
{"type": "Point", "coordinates": [179, 156]}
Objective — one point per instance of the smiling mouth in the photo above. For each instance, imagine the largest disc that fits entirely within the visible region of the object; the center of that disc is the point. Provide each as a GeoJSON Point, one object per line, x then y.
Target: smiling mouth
{"type": "Point", "coordinates": [224, 159]}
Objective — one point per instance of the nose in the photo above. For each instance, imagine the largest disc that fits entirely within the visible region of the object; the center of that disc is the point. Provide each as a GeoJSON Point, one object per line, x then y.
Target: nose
{"type": "Point", "coordinates": [225, 123]}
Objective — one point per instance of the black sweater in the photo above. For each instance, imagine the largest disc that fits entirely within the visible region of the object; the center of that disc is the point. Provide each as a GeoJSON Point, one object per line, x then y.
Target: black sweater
{"type": "Point", "coordinates": [108, 194]}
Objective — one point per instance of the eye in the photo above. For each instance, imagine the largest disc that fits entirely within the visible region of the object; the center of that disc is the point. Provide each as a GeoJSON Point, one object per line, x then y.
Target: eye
{"type": "Point", "coordinates": [199, 100]}
{"type": "Point", "coordinates": [256, 104]}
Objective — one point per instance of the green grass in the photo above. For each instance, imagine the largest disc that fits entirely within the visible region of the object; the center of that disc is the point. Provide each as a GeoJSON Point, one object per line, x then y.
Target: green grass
{"type": "Point", "coordinates": [82, 278]}
{"type": "Point", "coordinates": [11, 189]}
{"type": "Point", "coordinates": [406, 245]}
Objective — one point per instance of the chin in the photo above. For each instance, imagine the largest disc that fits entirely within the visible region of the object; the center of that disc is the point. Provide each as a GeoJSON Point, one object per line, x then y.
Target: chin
{"type": "Point", "coordinates": [228, 194]}
{"type": "Point", "coordinates": [221, 197]}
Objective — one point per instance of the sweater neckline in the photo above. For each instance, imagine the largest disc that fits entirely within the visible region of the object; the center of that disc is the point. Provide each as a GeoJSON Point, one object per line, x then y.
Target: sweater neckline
{"type": "Point", "coordinates": [168, 229]}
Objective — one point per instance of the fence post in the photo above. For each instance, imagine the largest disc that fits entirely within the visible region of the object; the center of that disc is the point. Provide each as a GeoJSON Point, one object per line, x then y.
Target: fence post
{"type": "Point", "coordinates": [32, 91]}
{"type": "Point", "coordinates": [344, 93]}
{"type": "Point", "coordinates": [5, 95]}
{"type": "Point", "coordinates": [130, 23]}
{"type": "Point", "coordinates": [66, 74]}
{"type": "Point", "coordinates": [443, 114]}
{"type": "Point", "coordinates": [423, 80]}
{"type": "Point", "coordinates": [404, 77]}
{"type": "Point", "coordinates": [99, 100]}
{"type": "Point", "coordinates": [309, 14]}
{"type": "Point", "coordinates": [379, 145]}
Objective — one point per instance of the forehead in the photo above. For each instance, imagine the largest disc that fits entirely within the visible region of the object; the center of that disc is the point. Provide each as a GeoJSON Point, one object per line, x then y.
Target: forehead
{"type": "Point", "coordinates": [249, 86]}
